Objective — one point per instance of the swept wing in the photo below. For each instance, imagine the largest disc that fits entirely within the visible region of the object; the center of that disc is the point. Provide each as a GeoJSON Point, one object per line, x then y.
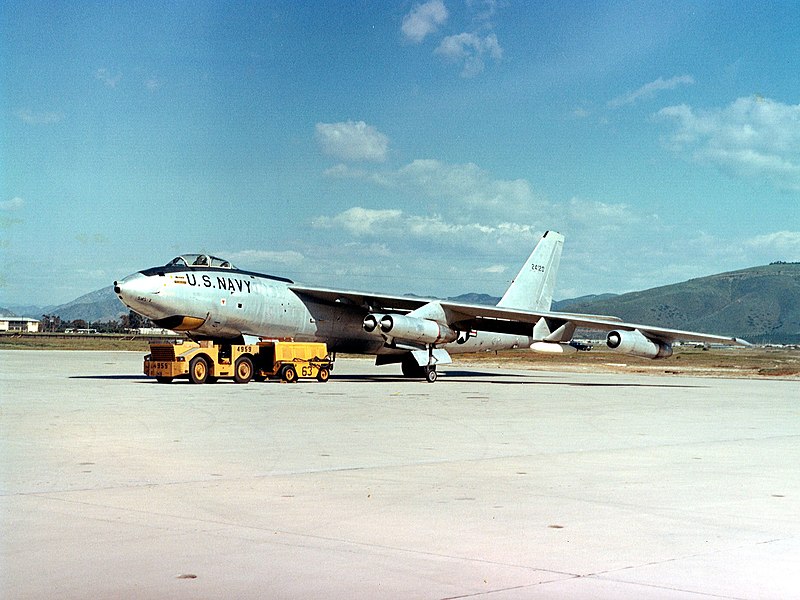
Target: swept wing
{"type": "Point", "coordinates": [497, 319]}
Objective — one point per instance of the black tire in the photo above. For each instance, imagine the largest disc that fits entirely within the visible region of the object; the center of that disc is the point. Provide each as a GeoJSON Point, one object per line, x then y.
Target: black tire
{"type": "Point", "coordinates": [431, 375]}
{"type": "Point", "coordinates": [164, 379]}
{"type": "Point", "coordinates": [289, 374]}
{"type": "Point", "coordinates": [323, 375]}
{"type": "Point", "coordinates": [243, 370]}
{"type": "Point", "coordinates": [198, 370]}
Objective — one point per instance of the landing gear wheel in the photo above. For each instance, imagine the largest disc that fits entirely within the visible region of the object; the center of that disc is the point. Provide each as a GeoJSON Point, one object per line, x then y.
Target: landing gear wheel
{"type": "Point", "coordinates": [323, 375]}
{"type": "Point", "coordinates": [164, 379]}
{"type": "Point", "coordinates": [243, 370]}
{"type": "Point", "coordinates": [431, 375]}
{"type": "Point", "coordinates": [288, 374]}
{"type": "Point", "coordinates": [198, 370]}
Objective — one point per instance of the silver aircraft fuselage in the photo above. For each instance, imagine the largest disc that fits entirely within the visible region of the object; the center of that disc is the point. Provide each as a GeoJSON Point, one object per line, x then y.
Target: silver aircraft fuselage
{"type": "Point", "coordinates": [227, 303]}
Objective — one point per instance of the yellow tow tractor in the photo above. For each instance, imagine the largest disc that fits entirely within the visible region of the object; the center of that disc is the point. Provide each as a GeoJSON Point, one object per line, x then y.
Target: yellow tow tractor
{"type": "Point", "coordinates": [206, 361]}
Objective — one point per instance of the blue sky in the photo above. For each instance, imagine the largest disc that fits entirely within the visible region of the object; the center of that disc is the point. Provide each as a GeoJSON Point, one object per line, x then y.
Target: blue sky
{"type": "Point", "coordinates": [397, 146]}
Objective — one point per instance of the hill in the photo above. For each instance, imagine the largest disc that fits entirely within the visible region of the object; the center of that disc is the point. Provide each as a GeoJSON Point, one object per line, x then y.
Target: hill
{"type": "Point", "coordinates": [563, 305]}
{"type": "Point", "coordinates": [760, 304]}
{"type": "Point", "coordinates": [100, 305]}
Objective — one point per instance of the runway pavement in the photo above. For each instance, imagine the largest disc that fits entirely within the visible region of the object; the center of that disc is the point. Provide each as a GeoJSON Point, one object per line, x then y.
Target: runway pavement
{"type": "Point", "coordinates": [487, 484]}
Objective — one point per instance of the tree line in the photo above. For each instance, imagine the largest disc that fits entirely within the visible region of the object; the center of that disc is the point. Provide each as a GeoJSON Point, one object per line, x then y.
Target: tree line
{"type": "Point", "coordinates": [55, 324]}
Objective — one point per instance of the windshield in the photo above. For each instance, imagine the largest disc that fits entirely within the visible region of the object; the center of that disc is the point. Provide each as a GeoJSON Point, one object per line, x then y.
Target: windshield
{"type": "Point", "coordinates": [200, 260]}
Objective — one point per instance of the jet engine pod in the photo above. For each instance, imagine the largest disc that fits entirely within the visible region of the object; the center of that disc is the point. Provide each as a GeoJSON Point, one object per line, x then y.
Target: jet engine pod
{"type": "Point", "coordinates": [371, 322]}
{"type": "Point", "coordinates": [413, 329]}
{"type": "Point", "coordinates": [637, 344]}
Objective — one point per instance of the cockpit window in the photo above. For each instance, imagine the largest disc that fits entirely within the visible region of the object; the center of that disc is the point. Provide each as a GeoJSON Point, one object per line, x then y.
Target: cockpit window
{"type": "Point", "coordinates": [200, 260]}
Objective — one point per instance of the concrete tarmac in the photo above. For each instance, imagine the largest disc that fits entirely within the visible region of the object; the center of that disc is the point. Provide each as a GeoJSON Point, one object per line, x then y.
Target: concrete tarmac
{"type": "Point", "coordinates": [490, 483]}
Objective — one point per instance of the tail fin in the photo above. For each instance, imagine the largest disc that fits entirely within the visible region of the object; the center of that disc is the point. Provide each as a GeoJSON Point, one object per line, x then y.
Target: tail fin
{"type": "Point", "coordinates": [532, 289]}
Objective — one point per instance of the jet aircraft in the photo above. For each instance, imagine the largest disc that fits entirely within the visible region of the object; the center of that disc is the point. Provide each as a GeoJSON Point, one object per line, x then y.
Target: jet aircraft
{"type": "Point", "coordinates": [208, 298]}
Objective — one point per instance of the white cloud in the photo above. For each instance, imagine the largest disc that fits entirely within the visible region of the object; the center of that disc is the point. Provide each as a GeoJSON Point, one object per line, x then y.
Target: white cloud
{"type": "Point", "coordinates": [109, 79]}
{"type": "Point", "coordinates": [423, 20]}
{"type": "Point", "coordinates": [463, 188]}
{"type": "Point", "coordinates": [600, 215]}
{"type": "Point", "coordinates": [781, 241]}
{"type": "Point", "coordinates": [360, 221]}
{"type": "Point", "coordinates": [648, 90]}
{"type": "Point", "coordinates": [499, 269]}
{"type": "Point", "coordinates": [397, 225]}
{"type": "Point", "coordinates": [352, 141]}
{"type": "Point", "coordinates": [285, 257]}
{"type": "Point", "coordinates": [752, 137]}
{"type": "Point", "coordinates": [484, 9]}
{"type": "Point", "coordinates": [38, 118]}
{"type": "Point", "coordinates": [13, 204]}
{"type": "Point", "coordinates": [469, 49]}
{"type": "Point", "coordinates": [466, 185]}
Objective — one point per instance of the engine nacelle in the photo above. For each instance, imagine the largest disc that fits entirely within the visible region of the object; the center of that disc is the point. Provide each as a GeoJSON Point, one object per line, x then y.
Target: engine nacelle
{"type": "Point", "coordinates": [636, 343]}
{"type": "Point", "coordinates": [413, 329]}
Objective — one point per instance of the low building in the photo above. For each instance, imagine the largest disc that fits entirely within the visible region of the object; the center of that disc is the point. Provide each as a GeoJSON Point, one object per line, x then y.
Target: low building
{"type": "Point", "coordinates": [23, 324]}
{"type": "Point", "coordinates": [154, 331]}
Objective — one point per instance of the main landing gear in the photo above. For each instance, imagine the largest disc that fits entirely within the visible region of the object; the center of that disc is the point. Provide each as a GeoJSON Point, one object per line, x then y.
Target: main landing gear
{"type": "Point", "coordinates": [412, 370]}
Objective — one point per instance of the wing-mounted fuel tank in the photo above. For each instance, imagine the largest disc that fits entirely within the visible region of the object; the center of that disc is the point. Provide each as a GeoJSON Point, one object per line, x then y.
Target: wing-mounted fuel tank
{"type": "Point", "coordinates": [636, 343]}
{"type": "Point", "coordinates": [409, 329]}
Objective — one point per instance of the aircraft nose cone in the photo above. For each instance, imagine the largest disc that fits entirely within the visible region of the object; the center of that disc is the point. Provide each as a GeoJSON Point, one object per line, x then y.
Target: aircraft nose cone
{"type": "Point", "coordinates": [138, 292]}
{"type": "Point", "coordinates": [132, 285]}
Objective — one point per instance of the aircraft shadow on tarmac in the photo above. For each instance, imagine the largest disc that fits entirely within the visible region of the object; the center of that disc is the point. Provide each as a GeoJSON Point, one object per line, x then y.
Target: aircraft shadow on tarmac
{"type": "Point", "coordinates": [121, 377]}
{"type": "Point", "coordinates": [498, 378]}
{"type": "Point", "coordinates": [494, 378]}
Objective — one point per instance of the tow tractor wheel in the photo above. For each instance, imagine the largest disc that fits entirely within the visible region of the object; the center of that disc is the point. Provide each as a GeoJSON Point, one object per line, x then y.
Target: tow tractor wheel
{"type": "Point", "coordinates": [243, 370]}
{"type": "Point", "coordinates": [288, 374]}
{"type": "Point", "coordinates": [198, 370]}
{"type": "Point", "coordinates": [323, 375]}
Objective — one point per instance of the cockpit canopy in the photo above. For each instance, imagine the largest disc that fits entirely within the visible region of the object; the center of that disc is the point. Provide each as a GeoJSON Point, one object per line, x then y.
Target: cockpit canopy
{"type": "Point", "coordinates": [200, 260]}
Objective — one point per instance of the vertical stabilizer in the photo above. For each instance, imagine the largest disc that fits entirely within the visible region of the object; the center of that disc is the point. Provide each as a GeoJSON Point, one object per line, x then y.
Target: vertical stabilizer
{"type": "Point", "coordinates": [532, 288]}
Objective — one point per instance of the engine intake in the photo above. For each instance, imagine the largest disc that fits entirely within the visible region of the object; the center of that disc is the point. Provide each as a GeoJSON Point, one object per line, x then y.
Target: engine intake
{"type": "Point", "coordinates": [637, 344]}
{"type": "Point", "coordinates": [371, 322]}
